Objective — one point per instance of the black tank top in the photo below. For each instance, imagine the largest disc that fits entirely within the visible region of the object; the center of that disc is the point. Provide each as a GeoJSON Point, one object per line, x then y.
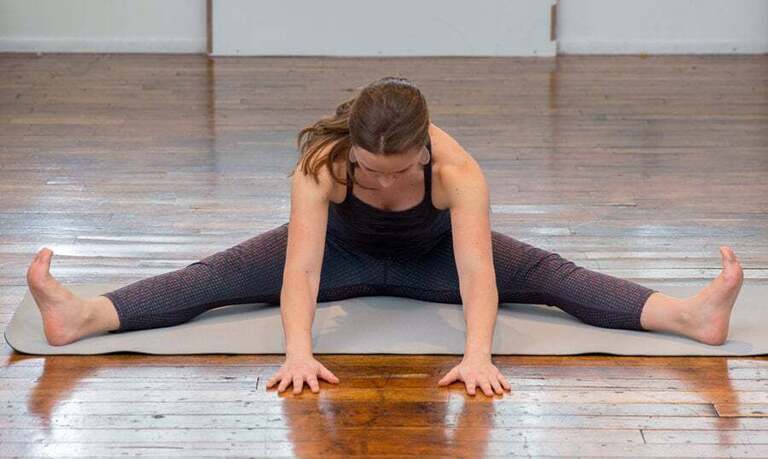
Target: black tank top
{"type": "Point", "coordinates": [385, 232]}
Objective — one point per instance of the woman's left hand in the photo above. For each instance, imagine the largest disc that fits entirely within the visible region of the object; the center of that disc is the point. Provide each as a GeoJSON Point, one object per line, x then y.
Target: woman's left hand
{"type": "Point", "coordinates": [474, 371]}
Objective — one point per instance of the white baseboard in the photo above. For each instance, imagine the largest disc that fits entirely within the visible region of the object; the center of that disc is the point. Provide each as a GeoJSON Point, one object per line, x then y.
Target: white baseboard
{"type": "Point", "coordinates": [99, 45]}
{"type": "Point", "coordinates": [194, 46]}
{"type": "Point", "coordinates": [662, 47]}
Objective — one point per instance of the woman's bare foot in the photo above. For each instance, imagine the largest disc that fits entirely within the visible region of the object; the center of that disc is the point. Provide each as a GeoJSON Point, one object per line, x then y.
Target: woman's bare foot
{"type": "Point", "coordinates": [709, 313]}
{"type": "Point", "coordinates": [64, 313]}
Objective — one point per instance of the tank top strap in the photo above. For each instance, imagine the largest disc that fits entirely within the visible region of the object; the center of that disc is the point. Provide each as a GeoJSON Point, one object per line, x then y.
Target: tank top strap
{"type": "Point", "coordinates": [349, 176]}
{"type": "Point", "coordinates": [428, 175]}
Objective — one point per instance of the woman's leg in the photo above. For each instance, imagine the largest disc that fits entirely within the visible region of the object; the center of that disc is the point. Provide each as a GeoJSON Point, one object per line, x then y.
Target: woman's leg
{"type": "Point", "coordinates": [531, 274]}
{"type": "Point", "coordinates": [527, 274]}
{"type": "Point", "coordinates": [249, 272]}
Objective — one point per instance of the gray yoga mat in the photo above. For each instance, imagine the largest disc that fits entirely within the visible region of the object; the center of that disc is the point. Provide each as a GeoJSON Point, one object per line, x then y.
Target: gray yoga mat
{"type": "Point", "coordinates": [396, 325]}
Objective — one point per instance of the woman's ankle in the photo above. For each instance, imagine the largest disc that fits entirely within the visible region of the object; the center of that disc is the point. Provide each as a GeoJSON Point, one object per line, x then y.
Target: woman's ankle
{"type": "Point", "coordinates": [666, 313]}
{"type": "Point", "coordinates": [101, 315]}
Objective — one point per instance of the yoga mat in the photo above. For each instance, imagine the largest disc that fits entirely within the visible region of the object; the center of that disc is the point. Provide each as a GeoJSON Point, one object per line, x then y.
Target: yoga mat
{"type": "Point", "coordinates": [397, 325]}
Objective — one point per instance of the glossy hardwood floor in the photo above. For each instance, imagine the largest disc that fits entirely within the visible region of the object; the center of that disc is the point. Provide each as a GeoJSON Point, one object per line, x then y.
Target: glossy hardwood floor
{"type": "Point", "coordinates": [129, 166]}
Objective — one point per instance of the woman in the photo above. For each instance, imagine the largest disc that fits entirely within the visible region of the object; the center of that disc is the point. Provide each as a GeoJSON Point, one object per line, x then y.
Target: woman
{"type": "Point", "coordinates": [416, 225]}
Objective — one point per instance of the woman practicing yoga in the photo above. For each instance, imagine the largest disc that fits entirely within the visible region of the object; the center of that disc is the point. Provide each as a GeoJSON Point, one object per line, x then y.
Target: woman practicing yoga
{"type": "Point", "coordinates": [411, 219]}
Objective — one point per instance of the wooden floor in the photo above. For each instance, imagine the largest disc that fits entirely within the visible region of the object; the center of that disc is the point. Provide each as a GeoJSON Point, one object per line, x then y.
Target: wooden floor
{"type": "Point", "coordinates": [129, 166]}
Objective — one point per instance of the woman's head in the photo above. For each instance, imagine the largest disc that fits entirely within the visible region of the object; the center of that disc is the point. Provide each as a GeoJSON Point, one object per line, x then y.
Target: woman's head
{"type": "Point", "coordinates": [383, 129]}
{"type": "Point", "coordinates": [387, 169]}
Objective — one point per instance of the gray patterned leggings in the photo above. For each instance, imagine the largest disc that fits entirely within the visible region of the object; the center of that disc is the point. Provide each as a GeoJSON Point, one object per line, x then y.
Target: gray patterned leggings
{"type": "Point", "coordinates": [252, 272]}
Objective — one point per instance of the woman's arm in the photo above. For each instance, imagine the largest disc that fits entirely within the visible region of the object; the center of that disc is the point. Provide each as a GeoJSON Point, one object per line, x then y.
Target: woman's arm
{"type": "Point", "coordinates": [304, 258]}
{"type": "Point", "coordinates": [469, 204]}
{"type": "Point", "coordinates": [301, 281]}
{"type": "Point", "coordinates": [470, 221]}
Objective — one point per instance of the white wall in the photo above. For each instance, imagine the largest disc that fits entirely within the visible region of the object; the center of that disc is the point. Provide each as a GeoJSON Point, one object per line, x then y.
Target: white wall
{"type": "Point", "coordinates": [583, 27]}
{"type": "Point", "coordinates": [662, 26]}
{"type": "Point", "coordinates": [131, 26]}
{"type": "Point", "coordinates": [384, 28]}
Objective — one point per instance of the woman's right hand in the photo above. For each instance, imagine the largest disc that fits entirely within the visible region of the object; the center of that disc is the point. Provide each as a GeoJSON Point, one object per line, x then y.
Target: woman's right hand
{"type": "Point", "coordinates": [299, 368]}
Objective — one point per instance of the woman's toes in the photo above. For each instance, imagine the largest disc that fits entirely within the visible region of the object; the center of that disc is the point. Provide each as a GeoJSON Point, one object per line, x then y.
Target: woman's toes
{"type": "Point", "coordinates": [732, 271]}
{"type": "Point", "coordinates": [40, 267]}
{"type": "Point", "coordinates": [61, 310]}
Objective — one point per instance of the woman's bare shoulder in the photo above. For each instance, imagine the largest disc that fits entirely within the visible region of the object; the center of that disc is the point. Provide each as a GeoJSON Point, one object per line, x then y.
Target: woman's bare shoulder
{"type": "Point", "coordinates": [331, 188]}
{"type": "Point", "coordinates": [446, 151]}
{"type": "Point", "coordinates": [450, 162]}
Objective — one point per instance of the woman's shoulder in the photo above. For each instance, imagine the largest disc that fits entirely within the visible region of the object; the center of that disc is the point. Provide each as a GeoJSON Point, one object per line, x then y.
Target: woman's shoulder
{"type": "Point", "coordinates": [338, 169]}
{"type": "Point", "coordinates": [447, 153]}
{"type": "Point", "coordinates": [450, 163]}
{"type": "Point", "coordinates": [324, 181]}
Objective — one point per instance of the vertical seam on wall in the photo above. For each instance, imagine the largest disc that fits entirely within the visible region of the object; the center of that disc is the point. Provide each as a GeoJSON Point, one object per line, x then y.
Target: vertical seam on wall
{"type": "Point", "coordinates": [553, 22]}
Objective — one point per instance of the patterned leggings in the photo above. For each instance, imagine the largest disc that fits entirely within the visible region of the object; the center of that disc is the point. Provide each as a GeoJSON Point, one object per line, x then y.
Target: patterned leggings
{"type": "Point", "coordinates": [252, 272]}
